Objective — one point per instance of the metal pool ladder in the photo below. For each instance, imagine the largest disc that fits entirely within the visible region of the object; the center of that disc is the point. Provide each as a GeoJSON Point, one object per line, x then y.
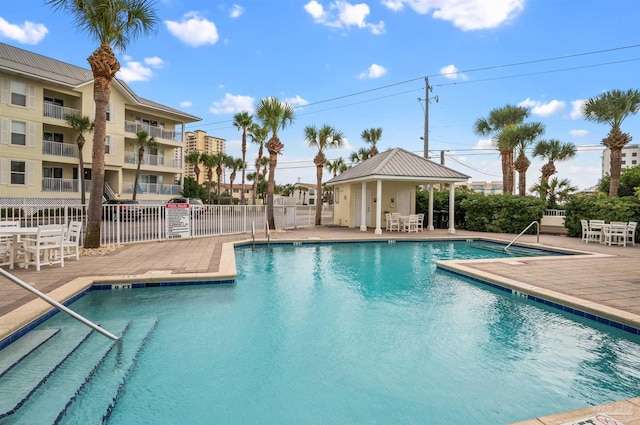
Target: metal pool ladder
{"type": "Point", "coordinates": [57, 305]}
{"type": "Point", "coordinates": [253, 233]}
{"type": "Point", "coordinates": [522, 233]}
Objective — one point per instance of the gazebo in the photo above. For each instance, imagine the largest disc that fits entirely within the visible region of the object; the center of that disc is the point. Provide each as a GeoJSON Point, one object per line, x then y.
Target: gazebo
{"type": "Point", "coordinates": [395, 173]}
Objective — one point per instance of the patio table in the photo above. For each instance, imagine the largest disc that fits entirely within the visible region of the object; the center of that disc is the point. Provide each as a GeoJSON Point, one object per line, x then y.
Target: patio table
{"type": "Point", "coordinates": [16, 232]}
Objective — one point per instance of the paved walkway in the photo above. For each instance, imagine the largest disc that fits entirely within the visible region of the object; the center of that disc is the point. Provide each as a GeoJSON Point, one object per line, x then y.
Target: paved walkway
{"type": "Point", "coordinates": [607, 282]}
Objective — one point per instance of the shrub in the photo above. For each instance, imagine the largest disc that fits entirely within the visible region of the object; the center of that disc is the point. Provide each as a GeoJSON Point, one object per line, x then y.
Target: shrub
{"type": "Point", "coordinates": [441, 202]}
{"type": "Point", "coordinates": [599, 207]}
{"type": "Point", "coordinates": [502, 213]}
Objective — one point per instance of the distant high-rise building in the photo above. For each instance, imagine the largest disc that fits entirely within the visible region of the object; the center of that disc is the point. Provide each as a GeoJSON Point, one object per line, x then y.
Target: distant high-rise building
{"type": "Point", "coordinates": [199, 141]}
{"type": "Point", "coordinates": [630, 158]}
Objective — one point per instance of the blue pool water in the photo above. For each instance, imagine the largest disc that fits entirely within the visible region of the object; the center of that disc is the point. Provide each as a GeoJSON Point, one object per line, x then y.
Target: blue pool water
{"type": "Point", "coordinates": [359, 333]}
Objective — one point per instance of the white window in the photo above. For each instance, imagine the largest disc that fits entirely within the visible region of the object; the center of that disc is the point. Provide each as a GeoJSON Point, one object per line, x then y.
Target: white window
{"type": "Point", "coordinates": [107, 145]}
{"type": "Point", "coordinates": [108, 112]}
{"type": "Point", "coordinates": [18, 93]}
{"type": "Point", "coordinates": [53, 137]}
{"type": "Point", "coordinates": [336, 195]}
{"type": "Point", "coordinates": [52, 172]}
{"type": "Point", "coordinates": [18, 133]}
{"type": "Point", "coordinates": [18, 172]}
{"type": "Point", "coordinates": [634, 154]}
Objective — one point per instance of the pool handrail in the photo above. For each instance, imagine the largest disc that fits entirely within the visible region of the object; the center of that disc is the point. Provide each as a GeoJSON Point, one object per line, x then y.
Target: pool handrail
{"type": "Point", "coordinates": [522, 233]}
{"type": "Point", "coordinates": [57, 305]}
{"type": "Point", "coordinates": [267, 235]}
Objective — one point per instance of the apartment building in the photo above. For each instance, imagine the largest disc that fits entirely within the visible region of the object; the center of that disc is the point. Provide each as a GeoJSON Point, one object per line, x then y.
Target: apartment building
{"type": "Point", "coordinates": [38, 150]}
{"type": "Point", "coordinates": [630, 158]}
{"type": "Point", "coordinates": [199, 141]}
{"type": "Point", "coordinates": [487, 188]}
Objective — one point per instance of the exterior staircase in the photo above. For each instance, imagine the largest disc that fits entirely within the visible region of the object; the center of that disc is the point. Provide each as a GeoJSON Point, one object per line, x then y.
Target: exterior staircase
{"type": "Point", "coordinates": [69, 375]}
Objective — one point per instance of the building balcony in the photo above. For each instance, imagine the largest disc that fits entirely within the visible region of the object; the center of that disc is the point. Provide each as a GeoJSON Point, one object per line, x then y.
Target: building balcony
{"type": "Point", "coordinates": [59, 149]}
{"type": "Point", "coordinates": [154, 160]}
{"type": "Point", "coordinates": [56, 112]}
{"type": "Point", "coordinates": [155, 132]}
{"type": "Point", "coordinates": [63, 185]}
{"type": "Point", "coordinates": [153, 189]}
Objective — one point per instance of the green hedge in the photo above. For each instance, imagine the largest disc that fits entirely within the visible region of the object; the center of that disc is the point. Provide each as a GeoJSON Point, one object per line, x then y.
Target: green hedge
{"type": "Point", "coordinates": [502, 213]}
{"type": "Point", "coordinates": [600, 207]}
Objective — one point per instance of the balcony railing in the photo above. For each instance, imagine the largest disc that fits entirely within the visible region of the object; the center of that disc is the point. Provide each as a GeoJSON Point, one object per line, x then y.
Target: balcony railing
{"type": "Point", "coordinates": [58, 112]}
{"type": "Point", "coordinates": [153, 188]}
{"type": "Point", "coordinates": [156, 132]}
{"type": "Point", "coordinates": [59, 149]}
{"type": "Point", "coordinates": [161, 161]}
{"type": "Point", "coordinates": [50, 184]}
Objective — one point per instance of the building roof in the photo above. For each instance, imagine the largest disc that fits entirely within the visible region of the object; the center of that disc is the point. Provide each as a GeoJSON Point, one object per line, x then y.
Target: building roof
{"type": "Point", "coordinates": [399, 164]}
{"type": "Point", "coordinates": [14, 60]}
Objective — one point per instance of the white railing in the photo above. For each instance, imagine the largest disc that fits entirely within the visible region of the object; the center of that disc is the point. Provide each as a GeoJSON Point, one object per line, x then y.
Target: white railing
{"type": "Point", "coordinates": [554, 213]}
{"type": "Point", "coordinates": [153, 188]}
{"type": "Point", "coordinates": [148, 222]}
{"type": "Point", "coordinates": [59, 185]}
{"type": "Point", "coordinates": [156, 132]}
{"type": "Point", "coordinates": [147, 159]}
{"type": "Point", "coordinates": [57, 112]}
{"type": "Point", "coordinates": [59, 149]}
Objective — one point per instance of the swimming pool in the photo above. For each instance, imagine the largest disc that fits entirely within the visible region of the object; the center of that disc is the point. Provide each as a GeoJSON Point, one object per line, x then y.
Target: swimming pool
{"type": "Point", "coordinates": [348, 333]}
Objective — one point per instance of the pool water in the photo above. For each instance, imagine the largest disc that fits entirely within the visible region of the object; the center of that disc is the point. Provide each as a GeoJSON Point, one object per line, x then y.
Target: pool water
{"type": "Point", "coordinates": [360, 333]}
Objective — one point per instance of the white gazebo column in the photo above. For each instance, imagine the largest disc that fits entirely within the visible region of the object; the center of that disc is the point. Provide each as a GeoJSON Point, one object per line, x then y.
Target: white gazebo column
{"type": "Point", "coordinates": [430, 218]}
{"type": "Point", "coordinates": [452, 199]}
{"type": "Point", "coordinates": [363, 209]}
{"type": "Point", "coordinates": [378, 230]}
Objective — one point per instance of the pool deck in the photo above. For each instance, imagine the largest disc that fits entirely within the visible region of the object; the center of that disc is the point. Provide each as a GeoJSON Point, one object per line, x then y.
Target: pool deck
{"type": "Point", "coordinates": [604, 281]}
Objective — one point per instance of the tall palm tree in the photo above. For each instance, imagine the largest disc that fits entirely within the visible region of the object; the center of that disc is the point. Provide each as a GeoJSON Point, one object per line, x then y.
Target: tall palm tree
{"type": "Point", "coordinates": [360, 156]}
{"type": "Point", "coordinates": [500, 119]}
{"type": "Point", "coordinates": [521, 136]}
{"type": "Point", "coordinates": [258, 135]}
{"type": "Point", "coordinates": [219, 160]}
{"type": "Point", "coordinates": [264, 163]}
{"type": "Point", "coordinates": [612, 108]}
{"type": "Point", "coordinates": [554, 191]}
{"type": "Point", "coordinates": [81, 125]}
{"type": "Point", "coordinates": [372, 136]}
{"type": "Point", "coordinates": [235, 164]}
{"type": "Point", "coordinates": [552, 150]}
{"type": "Point", "coordinates": [243, 121]}
{"type": "Point", "coordinates": [336, 166]}
{"type": "Point", "coordinates": [275, 116]}
{"type": "Point", "coordinates": [194, 158]}
{"type": "Point", "coordinates": [142, 141]}
{"type": "Point", "coordinates": [324, 138]}
{"type": "Point", "coordinates": [209, 163]}
{"type": "Point", "coordinates": [113, 23]}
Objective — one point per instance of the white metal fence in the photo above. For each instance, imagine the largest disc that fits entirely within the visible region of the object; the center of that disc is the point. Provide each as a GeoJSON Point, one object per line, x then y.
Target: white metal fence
{"type": "Point", "coordinates": [128, 223]}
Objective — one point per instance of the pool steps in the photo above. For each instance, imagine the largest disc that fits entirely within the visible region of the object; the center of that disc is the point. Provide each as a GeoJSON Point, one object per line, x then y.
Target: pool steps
{"type": "Point", "coordinates": [23, 347]}
{"type": "Point", "coordinates": [49, 384]}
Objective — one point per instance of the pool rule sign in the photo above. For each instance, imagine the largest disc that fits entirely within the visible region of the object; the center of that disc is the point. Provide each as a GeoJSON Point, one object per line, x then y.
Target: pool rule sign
{"type": "Point", "coordinates": [177, 220]}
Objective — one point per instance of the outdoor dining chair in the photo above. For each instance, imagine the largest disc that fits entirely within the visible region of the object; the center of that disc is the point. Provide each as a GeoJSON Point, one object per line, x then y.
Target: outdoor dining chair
{"type": "Point", "coordinates": [615, 233]}
{"type": "Point", "coordinates": [72, 240]}
{"type": "Point", "coordinates": [631, 232]}
{"type": "Point", "coordinates": [589, 235]}
{"type": "Point", "coordinates": [395, 222]}
{"type": "Point", "coordinates": [45, 247]}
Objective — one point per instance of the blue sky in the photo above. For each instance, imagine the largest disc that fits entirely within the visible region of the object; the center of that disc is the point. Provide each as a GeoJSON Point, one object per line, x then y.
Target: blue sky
{"type": "Point", "coordinates": [360, 65]}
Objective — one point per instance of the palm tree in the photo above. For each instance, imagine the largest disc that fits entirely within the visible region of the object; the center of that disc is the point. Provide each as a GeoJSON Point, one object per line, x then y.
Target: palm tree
{"type": "Point", "coordinates": [209, 163]}
{"type": "Point", "coordinates": [220, 160]}
{"type": "Point", "coordinates": [142, 141]}
{"type": "Point", "coordinates": [258, 136]}
{"type": "Point", "coordinates": [336, 166]}
{"type": "Point", "coordinates": [552, 150]}
{"type": "Point", "coordinates": [194, 158]}
{"type": "Point", "coordinates": [554, 191]}
{"type": "Point", "coordinates": [326, 137]}
{"type": "Point", "coordinates": [235, 164]}
{"type": "Point", "coordinates": [113, 23]}
{"type": "Point", "coordinates": [612, 108]}
{"type": "Point", "coordinates": [521, 137]}
{"type": "Point", "coordinates": [80, 125]}
{"type": "Point", "coordinates": [360, 156]}
{"type": "Point", "coordinates": [500, 119]}
{"type": "Point", "coordinates": [275, 116]}
{"type": "Point", "coordinates": [264, 163]}
{"type": "Point", "coordinates": [243, 121]}
{"type": "Point", "coordinates": [372, 136]}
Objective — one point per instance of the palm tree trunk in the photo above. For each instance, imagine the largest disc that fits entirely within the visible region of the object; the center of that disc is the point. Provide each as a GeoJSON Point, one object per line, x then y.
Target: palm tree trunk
{"type": "Point", "coordinates": [616, 165]}
{"type": "Point", "coordinates": [505, 171]}
{"type": "Point", "coordinates": [244, 156]}
{"type": "Point", "coordinates": [255, 180]}
{"type": "Point", "coordinates": [218, 175]}
{"type": "Point", "coordinates": [318, 195]}
{"type": "Point", "coordinates": [135, 183]}
{"type": "Point", "coordinates": [271, 186]}
{"type": "Point", "coordinates": [83, 196]}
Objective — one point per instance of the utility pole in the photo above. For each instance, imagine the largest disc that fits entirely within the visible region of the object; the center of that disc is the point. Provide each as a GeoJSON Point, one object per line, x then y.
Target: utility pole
{"type": "Point", "coordinates": [425, 137]}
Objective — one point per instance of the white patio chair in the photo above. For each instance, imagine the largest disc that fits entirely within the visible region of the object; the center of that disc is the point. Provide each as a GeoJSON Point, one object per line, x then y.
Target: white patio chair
{"type": "Point", "coordinates": [395, 222]}
{"type": "Point", "coordinates": [631, 232]}
{"type": "Point", "coordinates": [7, 249]}
{"type": "Point", "coordinates": [387, 219]}
{"type": "Point", "coordinates": [72, 240]}
{"type": "Point", "coordinates": [410, 224]}
{"type": "Point", "coordinates": [595, 230]}
{"type": "Point", "coordinates": [589, 235]}
{"type": "Point", "coordinates": [421, 222]}
{"type": "Point", "coordinates": [614, 233]}
{"type": "Point", "coordinates": [46, 247]}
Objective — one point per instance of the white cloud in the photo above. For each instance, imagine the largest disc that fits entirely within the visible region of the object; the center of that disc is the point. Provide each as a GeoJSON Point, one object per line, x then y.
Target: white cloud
{"type": "Point", "coordinates": [154, 62]}
{"type": "Point", "coordinates": [578, 133]}
{"type": "Point", "coordinates": [194, 30]}
{"type": "Point", "coordinates": [374, 71]}
{"type": "Point", "coordinates": [485, 144]}
{"type": "Point", "coordinates": [467, 15]}
{"type": "Point", "coordinates": [296, 101]}
{"type": "Point", "coordinates": [231, 104]}
{"type": "Point", "coordinates": [134, 71]}
{"type": "Point", "coordinates": [27, 33]}
{"type": "Point", "coordinates": [236, 11]}
{"type": "Point", "coordinates": [342, 14]}
{"type": "Point", "coordinates": [577, 108]}
{"type": "Point", "coordinates": [185, 104]}
{"type": "Point", "coordinates": [451, 72]}
{"type": "Point", "coordinates": [544, 109]}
